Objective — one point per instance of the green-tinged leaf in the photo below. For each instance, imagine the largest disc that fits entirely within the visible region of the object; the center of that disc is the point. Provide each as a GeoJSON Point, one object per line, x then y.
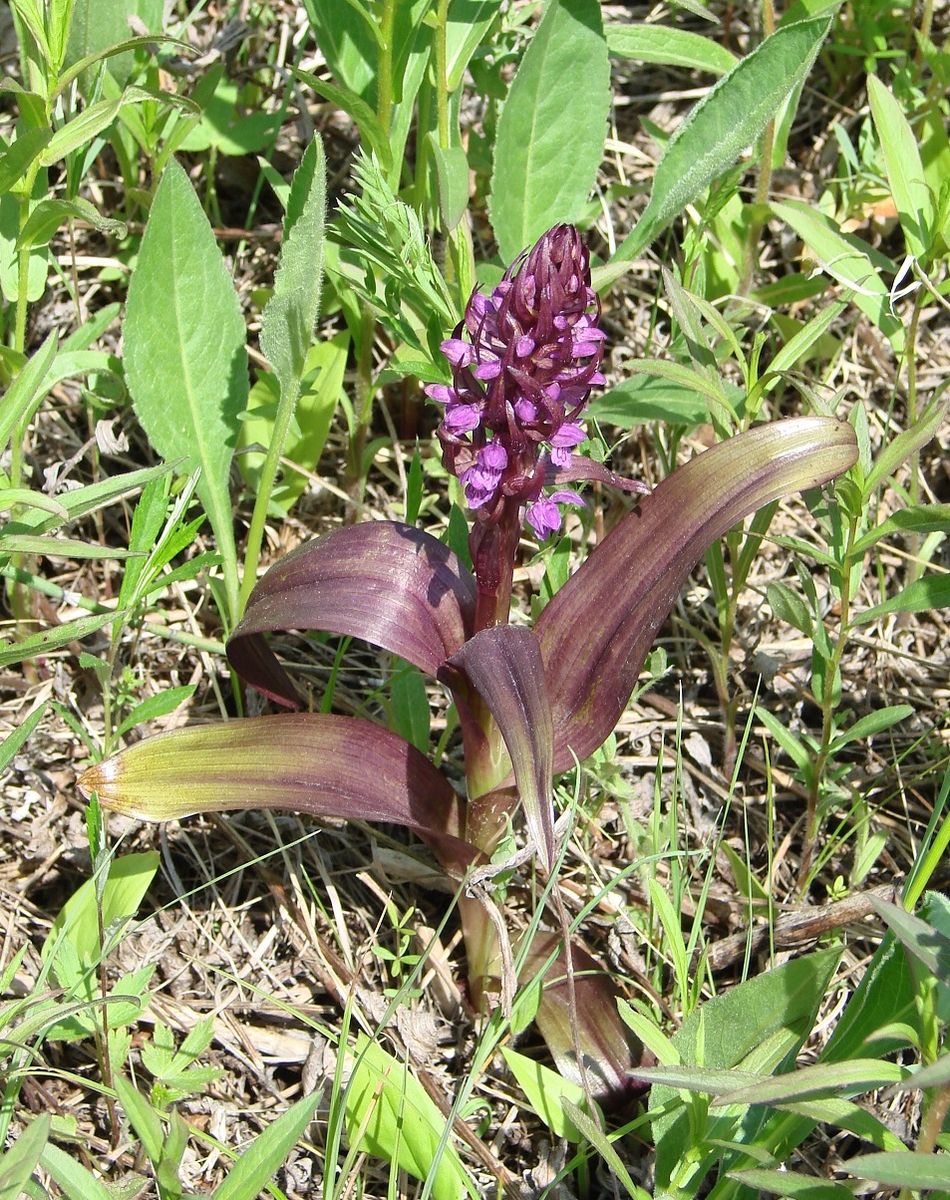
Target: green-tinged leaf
{"type": "Point", "coordinates": [905, 172]}
{"type": "Point", "coordinates": [551, 131]}
{"type": "Point", "coordinates": [48, 640]}
{"type": "Point", "coordinates": [382, 581]}
{"type": "Point", "coordinates": [704, 1080]}
{"type": "Point", "coordinates": [650, 398]}
{"type": "Point", "coordinates": [849, 260]}
{"type": "Point", "coordinates": [76, 1182]}
{"type": "Point", "coordinates": [927, 945]}
{"type": "Point", "coordinates": [597, 630]}
{"type": "Point", "coordinates": [370, 127]}
{"type": "Point", "coordinates": [126, 883]}
{"type": "Point", "coordinates": [451, 172]}
{"type": "Point", "coordinates": [669, 47]}
{"type": "Point", "coordinates": [26, 392]}
{"type": "Point", "coordinates": [26, 543]}
{"type": "Point", "coordinates": [324, 370]}
{"type": "Point", "coordinates": [398, 1121]}
{"type": "Point", "coordinates": [602, 1144]}
{"type": "Point", "coordinates": [98, 25]}
{"type": "Point", "coordinates": [503, 665]}
{"type": "Point", "coordinates": [80, 130]}
{"type": "Point", "coordinates": [79, 502]}
{"type": "Point", "coordinates": [788, 606]}
{"type": "Point", "coordinates": [652, 1037]}
{"type": "Point", "coordinates": [13, 742]}
{"type": "Point", "coordinates": [39, 259]}
{"type": "Point", "coordinates": [916, 518]}
{"type": "Point", "coordinates": [12, 497]}
{"type": "Point", "coordinates": [933, 591]}
{"type": "Point", "coordinates": [466, 28]}
{"type": "Point", "coordinates": [49, 215]}
{"type": "Point", "coordinates": [410, 707]}
{"type": "Point", "coordinates": [225, 127]}
{"type": "Point", "coordinates": [875, 722]}
{"type": "Point", "coordinates": [822, 1079]}
{"type": "Point", "coordinates": [19, 154]}
{"type": "Point", "coordinates": [726, 121]}
{"type": "Point", "coordinates": [156, 706]}
{"type": "Point", "coordinates": [142, 1117]}
{"type": "Point", "coordinates": [184, 350]}
{"type": "Point", "coordinates": [611, 1051]}
{"type": "Point", "coordinates": [19, 1162]}
{"type": "Point", "coordinates": [288, 319]}
{"type": "Point", "coordinates": [913, 1169]}
{"type": "Point", "coordinates": [326, 766]}
{"type": "Point", "coordinates": [845, 1114]}
{"type": "Point", "coordinates": [791, 1184]}
{"type": "Point", "coordinates": [546, 1090]}
{"type": "Point", "coordinates": [723, 1031]}
{"type": "Point", "coordinates": [934, 1075]}
{"type": "Point", "coordinates": [900, 448]}
{"type": "Point", "coordinates": [256, 1166]}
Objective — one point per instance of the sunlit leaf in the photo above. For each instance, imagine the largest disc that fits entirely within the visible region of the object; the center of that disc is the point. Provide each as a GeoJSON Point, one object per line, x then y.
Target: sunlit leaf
{"type": "Point", "coordinates": [382, 581]}
{"type": "Point", "coordinates": [597, 630]}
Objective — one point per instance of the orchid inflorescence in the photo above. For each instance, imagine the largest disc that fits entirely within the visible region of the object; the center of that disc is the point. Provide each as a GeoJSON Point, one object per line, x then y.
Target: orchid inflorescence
{"type": "Point", "coordinates": [531, 702]}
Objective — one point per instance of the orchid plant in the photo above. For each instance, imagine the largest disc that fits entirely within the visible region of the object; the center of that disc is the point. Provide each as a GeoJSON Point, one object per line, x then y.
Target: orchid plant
{"type": "Point", "coordinates": [531, 702]}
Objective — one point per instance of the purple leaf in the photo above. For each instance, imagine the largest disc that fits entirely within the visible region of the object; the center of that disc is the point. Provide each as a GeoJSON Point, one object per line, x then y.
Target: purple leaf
{"type": "Point", "coordinates": [382, 581]}
{"type": "Point", "coordinates": [596, 632]}
{"type": "Point", "coordinates": [503, 665]}
{"type": "Point", "coordinates": [325, 766]}
{"type": "Point", "coordinates": [611, 1051]}
{"type": "Point", "coordinates": [587, 469]}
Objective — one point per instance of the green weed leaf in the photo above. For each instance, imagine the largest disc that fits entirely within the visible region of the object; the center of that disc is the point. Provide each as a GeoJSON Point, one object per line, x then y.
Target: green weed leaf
{"type": "Point", "coordinates": [905, 172]}
{"type": "Point", "coordinates": [19, 1162]}
{"type": "Point", "coordinates": [551, 130]}
{"type": "Point", "coordinates": [669, 46]}
{"type": "Point", "coordinates": [185, 357]}
{"type": "Point", "coordinates": [255, 1168]}
{"type": "Point", "coordinates": [927, 1172]}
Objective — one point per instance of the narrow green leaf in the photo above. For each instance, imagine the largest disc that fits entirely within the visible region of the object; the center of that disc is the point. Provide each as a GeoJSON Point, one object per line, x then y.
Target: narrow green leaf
{"type": "Point", "coordinates": [788, 606]}
{"type": "Point", "coordinates": [905, 172]}
{"type": "Point", "coordinates": [934, 1075]}
{"type": "Point", "coordinates": [255, 1168]}
{"type": "Point", "coordinates": [546, 1091]}
{"type": "Point", "coordinates": [451, 171]}
{"type": "Point", "coordinates": [928, 1172]}
{"type": "Point", "coordinates": [371, 131]}
{"type": "Point", "coordinates": [12, 743]}
{"type": "Point", "coordinates": [156, 706]}
{"type": "Point", "coordinates": [726, 121]}
{"type": "Point", "coordinates": [288, 319]}
{"type": "Point", "coordinates": [80, 130]}
{"type": "Point", "coordinates": [399, 1122]}
{"type": "Point", "coordinates": [928, 945]}
{"type": "Point", "coordinates": [791, 1184]}
{"type": "Point", "coordinates": [184, 350]}
{"type": "Point", "coordinates": [142, 1117]}
{"type": "Point", "coordinates": [99, 25]}
{"type": "Point", "coordinates": [26, 392]}
{"type": "Point", "coordinates": [25, 543]}
{"type": "Point", "coordinates": [933, 591]}
{"type": "Point", "coordinates": [75, 1180]}
{"type": "Point", "coordinates": [668, 46]}
{"type": "Point", "coordinates": [900, 448]}
{"type": "Point", "coordinates": [849, 260]}
{"type": "Point", "coordinates": [49, 215]}
{"type": "Point", "coordinates": [11, 497]}
{"type": "Point", "coordinates": [875, 722]}
{"type": "Point", "coordinates": [601, 1143]}
{"type": "Point", "coordinates": [640, 399]}
{"type": "Point", "coordinates": [19, 1162]}
{"type": "Point", "coordinates": [48, 640]}
{"type": "Point", "coordinates": [551, 130]}
{"type": "Point", "coordinates": [410, 707]}
{"type": "Point", "coordinates": [126, 883]}
{"type": "Point", "coordinates": [822, 1079]}
{"type": "Point", "coordinates": [19, 154]}
{"type": "Point", "coordinates": [916, 518]}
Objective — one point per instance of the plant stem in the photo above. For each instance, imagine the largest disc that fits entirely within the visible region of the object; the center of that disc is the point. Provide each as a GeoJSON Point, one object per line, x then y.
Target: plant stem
{"type": "Point", "coordinates": [827, 709]}
{"type": "Point", "coordinates": [914, 540]}
{"type": "Point", "coordinates": [364, 402]}
{"type": "Point", "coordinates": [265, 486]}
{"type": "Point", "coordinates": [441, 80]}
{"type": "Point", "coordinates": [384, 69]}
{"type": "Point", "coordinates": [764, 180]}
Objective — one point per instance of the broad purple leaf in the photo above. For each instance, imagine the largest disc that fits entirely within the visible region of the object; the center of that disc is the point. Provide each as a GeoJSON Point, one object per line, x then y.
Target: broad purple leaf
{"type": "Point", "coordinates": [382, 581]}
{"type": "Point", "coordinates": [325, 766]}
{"type": "Point", "coordinates": [596, 632]}
{"type": "Point", "coordinates": [503, 665]}
{"type": "Point", "coordinates": [611, 1051]}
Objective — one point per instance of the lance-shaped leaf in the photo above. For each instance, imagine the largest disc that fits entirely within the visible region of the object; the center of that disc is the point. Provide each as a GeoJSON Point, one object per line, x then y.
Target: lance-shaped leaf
{"type": "Point", "coordinates": [596, 632]}
{"type": "Point", "coordinates": [382, 581]}
{"type": "Point", "coordinates": [504, 666]}
{"type": "Point", "coordinates": [610, 1050]}
{"type": "Point", "coordinates": [326, 766]}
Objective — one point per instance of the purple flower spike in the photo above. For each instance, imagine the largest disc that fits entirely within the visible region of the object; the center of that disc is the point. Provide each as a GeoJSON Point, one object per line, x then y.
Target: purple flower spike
{"type": "Point", "coordinates": [544, 516]}
{"type": "Point", "coordinates": [523, 362]}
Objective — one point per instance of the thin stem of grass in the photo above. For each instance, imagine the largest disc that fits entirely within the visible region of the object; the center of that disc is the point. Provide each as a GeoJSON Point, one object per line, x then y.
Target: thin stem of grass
{"type": "Point", "coordinates": [764, 180]}
{"type": "Point", "coordinates": [914, 540]}
{"type": "Point", "coordinates": [827, 699]}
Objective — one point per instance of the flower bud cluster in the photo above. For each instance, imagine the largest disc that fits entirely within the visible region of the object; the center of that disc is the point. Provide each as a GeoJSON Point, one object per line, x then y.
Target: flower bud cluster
{"type": "Point", "coordinates": [523, 363]}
